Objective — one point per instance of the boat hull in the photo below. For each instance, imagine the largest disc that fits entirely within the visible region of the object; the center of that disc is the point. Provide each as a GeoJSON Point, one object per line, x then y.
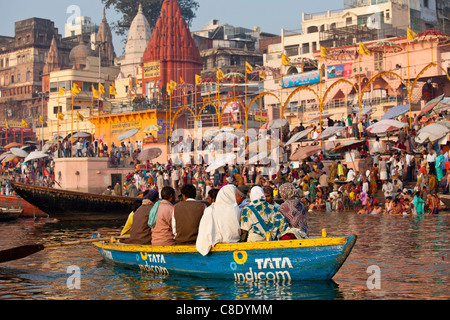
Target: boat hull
{"type": "Point", "coordinates": [17, 202]}
{"type": "Point", "coordinates": [308, 259]}
{"type": "Point", "coordinates": [10, 214]}
{"type": "Point", "coordinates": [70, 205]}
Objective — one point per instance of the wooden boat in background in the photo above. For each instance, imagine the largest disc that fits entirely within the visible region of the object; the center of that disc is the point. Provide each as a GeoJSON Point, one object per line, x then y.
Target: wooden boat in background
{"type": "Point", "coordinates": [8, 214]}
{"type": "Point", "coordinates": [72, 205]}
{"type": "Point", "coordinates": [307, 259]}
{"type": "Point", "coordinates": [29, 211]}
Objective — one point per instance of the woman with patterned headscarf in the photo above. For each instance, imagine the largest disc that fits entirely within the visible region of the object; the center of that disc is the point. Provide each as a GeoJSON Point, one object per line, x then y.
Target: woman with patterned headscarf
{"type": "Point", "coordinates": [260, 220]}
{"type": "Point", "coordinates": [293, 209]}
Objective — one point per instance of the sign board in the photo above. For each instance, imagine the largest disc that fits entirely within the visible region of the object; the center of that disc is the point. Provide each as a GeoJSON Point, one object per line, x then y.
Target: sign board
{"type": "Point", "coordinates": [261, 115]}
{"type": "Point", "coordinates": [301, 79]}
{"type": "Point", "coordinates": [121, 127]}
{"type": "Point", "coordinates": [152, 69]}
{"type": "Point", "coordinates": [339, 71]}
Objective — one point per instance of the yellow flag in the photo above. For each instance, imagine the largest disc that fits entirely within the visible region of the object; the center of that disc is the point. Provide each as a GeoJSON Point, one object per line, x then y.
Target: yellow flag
{"type": "Point", "coordinates": [324, 52]}
{"type": "Point", "coordinates": [181, 80]}
{"type": "Point", "coordinates": [75, 90]}
{"type": "Point", "coordinates": [173, 84]}
{"type": "Point", "coordinates": [80, 116]}
{"type": "Point", "coordinates": [248, 67]}
{"type": "Point", "coordinates": [198, 79]}
{"type": "Point", "coordinates": [411, 35]}
{"type": "Point", "coordinates": [262, 75]}
{"type": "Point", "coordinates": [284, 59]}
{"type": "Point", "coordinates": [363, 49]}
{"type": "Point", "coordinates": [112, 90]}
{"type": "Point", "coordinates": [219, 74]}
{"type": "Point", "coordinates": [101, 89]}
{"type": "Point", "coordinates": [41, 119]}
{"type": "Point", "coordinates": [7, 124]}
{"type": "Point", "coordinates": [60, 116]}
{"type": "Point", "coordinates": [169, 88]}
{"type": "Point", "coordinates": [61, 91]}
{"type": "Point", "coordinates": [94, 92]}
{"type": "Point", "coordinates": [24, 124]}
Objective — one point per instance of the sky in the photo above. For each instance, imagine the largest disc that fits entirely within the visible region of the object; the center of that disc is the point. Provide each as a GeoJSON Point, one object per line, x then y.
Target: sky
{"type": "Point", "coordinates": [270, 15]}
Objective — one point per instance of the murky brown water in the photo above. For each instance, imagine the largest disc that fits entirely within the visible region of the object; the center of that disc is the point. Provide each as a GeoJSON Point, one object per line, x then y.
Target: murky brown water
{"type": "Point", "coordinates": [411, 254]}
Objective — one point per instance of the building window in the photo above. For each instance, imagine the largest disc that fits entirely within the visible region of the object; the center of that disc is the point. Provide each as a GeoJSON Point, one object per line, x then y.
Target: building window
{"type": "Point", "coordinates": [378, 60]}
{"type": "Point", "coordinates": [348, 21]}
{"type": "Point", "coordinates": [426, 4]}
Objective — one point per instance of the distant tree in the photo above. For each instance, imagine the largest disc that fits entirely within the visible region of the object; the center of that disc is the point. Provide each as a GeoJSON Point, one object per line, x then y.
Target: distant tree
{"type": "Point", "coordinates": [151, 9]}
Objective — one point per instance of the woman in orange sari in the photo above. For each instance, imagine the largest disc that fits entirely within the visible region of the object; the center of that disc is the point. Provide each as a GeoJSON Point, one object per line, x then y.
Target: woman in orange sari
{"type": "Point", "coordinates": [373, 180]}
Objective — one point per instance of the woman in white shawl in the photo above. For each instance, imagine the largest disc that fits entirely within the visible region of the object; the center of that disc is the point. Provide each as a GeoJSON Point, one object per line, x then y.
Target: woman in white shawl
{"type": "Point", "coordinates": [220, 221]}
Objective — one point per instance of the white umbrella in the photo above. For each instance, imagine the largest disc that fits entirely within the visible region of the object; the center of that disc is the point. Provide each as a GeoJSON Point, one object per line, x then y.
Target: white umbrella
{"type": "Point", "coordinates": [328, 132]}
{"type": "Point", "coordinates": [36, 155]}
{"type": "Point", "coordinates": [299, 135]}
{"type": "Point", "coordinates": [277, 124]}
{"type": "Point", "coordinates": [221, 162]}
{"type": "Point", "coordinates": [79, 135]}
{"type": "Point", "coordinates": [128, 134]}
{"type": "Point", "coordinates": [431, 132]}
{"type": "Point", "coordinates": [149, 154]}
{"type": "Point", "coordinates": [386, 125]}
{"type": "Point", "coordinates": [18, 152]}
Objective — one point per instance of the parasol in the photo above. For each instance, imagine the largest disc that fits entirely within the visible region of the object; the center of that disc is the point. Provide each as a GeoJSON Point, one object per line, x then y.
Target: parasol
{"type": "Point", "coordinates": [341, 55]}
{"type": "Point", "coordinates": [4, 155]}
{"type": "Point", "coordinates": [79, 135]}
{"type": "Point", "coordinates": [149, 154]}
{"type": "Point", "coordinates": [13, 145]}
{"type": "Point", "coordinates": [18, 152]}
{"type": "Point", "coordinates": [299, 135]}
{"type": "Point", "coordinates": [274, 124]}
{"type": "Point", "coordinates": [128, 134]}
{"type": "Point", "coordinates": [328, 132]}
{"type": "Point", "coordinates": [431, 132]}
{"type": "Point", "coordinates": [305, 152]}
{"type": "Point", "coordinates": [221, 162]}
{"type": "Point", "coordinates": [9, 158]}
{"type": "Point", "coordinates": [346, 147]}
{"type": "Point", "coordinates": [395, 112]}
{"type": "Point", "coordinates": [152, 128]}
{"type": "Point", "coordinates": [35, 155]}
{"type": "Point", "coordinates": [431, 104]}
{"type": "Point", "coordinates": [385, 126]}
{"type": "Point", "coordinates": [432, 36]}
{"type": "Point", "coordinates": [386, 46]}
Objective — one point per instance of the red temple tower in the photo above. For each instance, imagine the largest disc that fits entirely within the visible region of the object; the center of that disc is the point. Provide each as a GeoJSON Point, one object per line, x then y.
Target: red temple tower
{"type": "Point", "coordinates": [171, 53]}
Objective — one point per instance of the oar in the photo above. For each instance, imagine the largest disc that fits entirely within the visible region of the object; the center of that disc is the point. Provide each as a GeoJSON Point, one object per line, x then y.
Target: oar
{"type": "Point", "coordinates": [27, 250]}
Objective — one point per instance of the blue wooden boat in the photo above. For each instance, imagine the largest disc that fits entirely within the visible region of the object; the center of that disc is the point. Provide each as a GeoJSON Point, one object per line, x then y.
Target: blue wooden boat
{"type": "Point", "coordinates": [307, 259]}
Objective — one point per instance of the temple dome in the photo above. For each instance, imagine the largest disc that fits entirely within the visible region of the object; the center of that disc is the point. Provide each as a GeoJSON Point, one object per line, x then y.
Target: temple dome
{"type": "Point", "coordinates": [78, 55]}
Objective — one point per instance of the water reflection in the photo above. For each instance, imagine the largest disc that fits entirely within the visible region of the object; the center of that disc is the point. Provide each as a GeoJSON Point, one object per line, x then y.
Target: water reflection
{"type": "Point", "coordinates": [411, 253]}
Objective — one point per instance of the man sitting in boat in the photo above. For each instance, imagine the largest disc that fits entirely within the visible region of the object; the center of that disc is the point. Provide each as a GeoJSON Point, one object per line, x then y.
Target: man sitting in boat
{"type": "Point", "coordinates": [186, 216]}
{"type": "Point", "coordinates": [160, 219]}
{"type": "Point", "coordinates": [140, 232]}
{"type": "Point", "coordinates": [220, 222]}
{"type": "Point", "coordinates": [260, 220]}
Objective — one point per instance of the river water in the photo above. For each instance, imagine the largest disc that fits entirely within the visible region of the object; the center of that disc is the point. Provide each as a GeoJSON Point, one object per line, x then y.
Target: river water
{"type": "Point", "coordinates": [409, 253]}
